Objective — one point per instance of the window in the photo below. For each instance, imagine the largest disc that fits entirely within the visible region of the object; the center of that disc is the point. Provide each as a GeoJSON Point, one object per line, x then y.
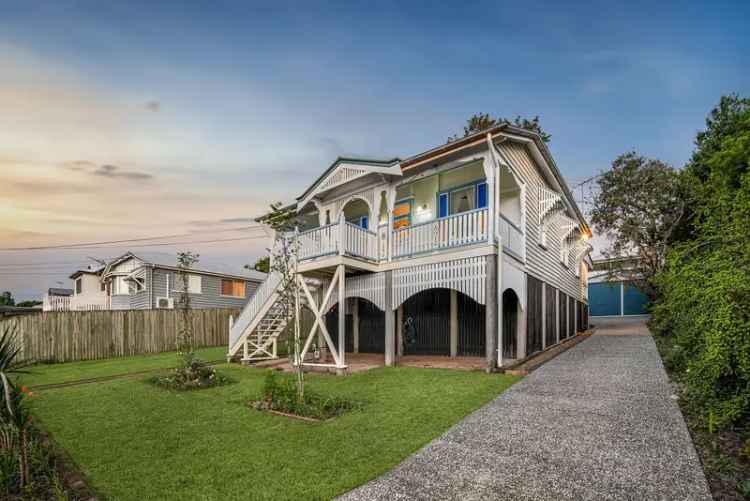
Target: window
{"type": "Point", "coordinates": [79, 285]}
{"type": "Point", "coordinates": [462, 199]}
{"type": "Point", "coordinates": [194, 284]}
{"type": "Point", "coordinates": [120, 286]}
{"type": "Point", "coordinates": [402, 214]}
{"type": "Point", "coordinates": [233, 288]}
{"type": "Point", "coordinates": [443, 205]}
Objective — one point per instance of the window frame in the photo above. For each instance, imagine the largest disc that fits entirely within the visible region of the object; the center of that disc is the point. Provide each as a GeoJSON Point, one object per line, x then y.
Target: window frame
{"type": "Point", "coordinates": [447, 194]}
{"type": "Point", "coordinates": [234, 282]}
{"type": "Point", "coordinates": [79, 286]}
{"type": "Point", "coordinates": [407, 216]}
{"type": "Point", "coordinates": [177, 285]}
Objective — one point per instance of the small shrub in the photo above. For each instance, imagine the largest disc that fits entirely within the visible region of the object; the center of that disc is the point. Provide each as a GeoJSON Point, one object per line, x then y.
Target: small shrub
{"type": "Point", "coordinates": [280, 394]}
{"type": "Point", "coordinates": [193, 374]}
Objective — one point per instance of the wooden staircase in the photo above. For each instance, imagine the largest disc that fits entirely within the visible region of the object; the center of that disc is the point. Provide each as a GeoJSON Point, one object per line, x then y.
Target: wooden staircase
{"type": "Point", "coordinates": [256, 331]}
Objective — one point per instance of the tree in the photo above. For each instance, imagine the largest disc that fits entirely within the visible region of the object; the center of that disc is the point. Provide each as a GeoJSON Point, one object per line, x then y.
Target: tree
{"type": "Point", "coordinates": [285, 253]}
{"type": "Point", "coordinates": [483, 121]}
{"type": "Point", "coordinates": [6, 299]}
{"type": "Point", "coordinates": [726, 120]}
{"type": "Point", "coordinates": [638, 206]}
{"type": "Point", "coordinates": [28, 304]}
{"type": "Point", "coordinates": [703, 312]}
{"type": "Point", "coordinates": [185, 340]}
{"type": "Point", "coordinates": [263, 264]}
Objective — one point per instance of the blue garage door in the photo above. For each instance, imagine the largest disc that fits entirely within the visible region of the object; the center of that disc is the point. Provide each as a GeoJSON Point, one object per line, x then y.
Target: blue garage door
{"type": "Point", "coordinates": [634, 301]}
{"type": "Point", "coordinates": [604, 298]}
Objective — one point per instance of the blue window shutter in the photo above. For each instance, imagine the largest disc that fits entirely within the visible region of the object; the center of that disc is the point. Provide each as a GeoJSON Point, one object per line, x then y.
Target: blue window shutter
{"type": "Point", "coordinates": [363, 222]}
{"type": "Point", "coordinates": [481, 195]}
{"type": "Point", "coordinates": [443, 205]}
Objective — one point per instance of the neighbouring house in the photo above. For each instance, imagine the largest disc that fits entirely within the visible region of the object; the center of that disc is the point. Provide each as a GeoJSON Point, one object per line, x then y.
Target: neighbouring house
{"type": "Point", "coordinates": [611, 294]}
{"type": "Point", "coordinates": [56, 299]}
{"type": "Point", "coordinates": [89, 292]}
{"type": "Point", "coordinates": [473, 248]}
{"type": "Point", "coordinates": [147, 280]}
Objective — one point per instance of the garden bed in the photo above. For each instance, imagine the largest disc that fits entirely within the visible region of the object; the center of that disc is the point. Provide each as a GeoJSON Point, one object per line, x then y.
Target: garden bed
{"type": "Point", "coordinates": [280, 396]}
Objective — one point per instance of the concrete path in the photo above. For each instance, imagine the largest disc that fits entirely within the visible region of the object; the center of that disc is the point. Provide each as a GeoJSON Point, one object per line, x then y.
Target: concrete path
{"type": "Point", "coordinates": [598, 422]}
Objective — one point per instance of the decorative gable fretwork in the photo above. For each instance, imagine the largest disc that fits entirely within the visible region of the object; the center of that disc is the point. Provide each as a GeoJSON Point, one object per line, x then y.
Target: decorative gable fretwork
{"type": "Point", "coordinates": [341, 175]}
{"type": "Point", "coordinates": [464, 275]}
{"type": "Point", "coordinates": [568, 229]}
{"type": "Point", "coordinates": [549, 202]}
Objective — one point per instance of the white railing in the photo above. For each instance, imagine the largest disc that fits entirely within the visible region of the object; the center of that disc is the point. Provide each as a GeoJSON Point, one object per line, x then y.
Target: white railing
{"type": "Point", "coordinates": [511, 237]}
{"type": "Point", "coordinates": [254, 306]}
{"type": "Point", "coordinates": [55, 303]}
{"type": "Point", "coordinates": [318, 242]}
{"type": "Point", "coordinates": [360, 242]}
{"type": "Point", "coordinates": [453, 231]}
{"type": "Point", "coordinates": [88, 303]}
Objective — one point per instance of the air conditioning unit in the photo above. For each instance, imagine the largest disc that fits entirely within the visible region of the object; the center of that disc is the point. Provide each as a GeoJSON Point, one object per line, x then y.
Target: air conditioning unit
{"type": "Point", "coordinates": [165, 303]}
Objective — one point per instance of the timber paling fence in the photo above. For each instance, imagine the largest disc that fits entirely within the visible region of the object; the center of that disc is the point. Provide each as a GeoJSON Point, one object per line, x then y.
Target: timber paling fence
{"type": "Point", "coordinates": [68, 336]}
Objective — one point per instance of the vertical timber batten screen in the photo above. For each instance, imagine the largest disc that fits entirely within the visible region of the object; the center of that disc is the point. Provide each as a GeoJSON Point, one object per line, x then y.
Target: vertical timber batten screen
{"type": "Point", "coordinates": [472, 327]}
{"type": "Point", "coordinates": [534, 319]}
{"type": "Point", "coordinates": [562, 307]}
{"type": "Point", "coordinates": [69, 336]}
{"type": "Point", "coordinates": [550, 322]}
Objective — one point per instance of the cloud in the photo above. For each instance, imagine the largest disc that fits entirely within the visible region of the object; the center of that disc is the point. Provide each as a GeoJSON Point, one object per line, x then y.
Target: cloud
{"type": "Point", "coordinates": [238, 220]}
{"type": "Point", "coordinates": [105, 170]}
{"type": "Point", "coordinates": [154, 106]}
{"type": "Point", "coordinates": [114, 171]}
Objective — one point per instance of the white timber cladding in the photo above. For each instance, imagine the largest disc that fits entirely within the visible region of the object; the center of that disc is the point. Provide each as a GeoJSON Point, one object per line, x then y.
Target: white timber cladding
{"type": "Point", "coordinates": [464, 275]}
{"type": "Point", "coordinates": [542, 262]}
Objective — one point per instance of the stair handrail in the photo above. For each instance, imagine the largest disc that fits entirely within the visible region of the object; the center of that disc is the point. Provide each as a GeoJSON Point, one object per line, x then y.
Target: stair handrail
{"type": "Point", "coordinates": [253, 307]}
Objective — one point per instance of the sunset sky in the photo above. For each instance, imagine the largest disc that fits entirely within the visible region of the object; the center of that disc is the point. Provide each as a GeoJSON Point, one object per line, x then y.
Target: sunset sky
{"type": "Point", "coordinates": [122, 120]}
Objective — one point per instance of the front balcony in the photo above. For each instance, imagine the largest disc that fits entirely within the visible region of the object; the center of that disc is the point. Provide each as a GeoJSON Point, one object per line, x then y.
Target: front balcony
{"type": "Point", "coordinates": [451, 210]}
{"type": "Point", "coordinates": [446, 234]}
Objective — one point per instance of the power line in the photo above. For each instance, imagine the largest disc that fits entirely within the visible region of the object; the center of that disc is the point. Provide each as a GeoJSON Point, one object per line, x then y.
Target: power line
{"type": "Point", "coordinates": [90, 245]}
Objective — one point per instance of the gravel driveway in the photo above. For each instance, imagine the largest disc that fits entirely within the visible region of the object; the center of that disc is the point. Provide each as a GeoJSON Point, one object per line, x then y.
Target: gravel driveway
{"type": "Point", "coordinates": [597, 422]}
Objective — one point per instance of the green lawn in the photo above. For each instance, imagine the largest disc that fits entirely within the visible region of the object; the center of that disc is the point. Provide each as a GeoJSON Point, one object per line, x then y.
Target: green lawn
{"type": "Point", "coordinates": [139, 442]}
{"type": "Point", "coordinates": [74, 371]}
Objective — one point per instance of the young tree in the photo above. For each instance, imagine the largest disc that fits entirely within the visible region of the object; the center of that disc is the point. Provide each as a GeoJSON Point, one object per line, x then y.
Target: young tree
{"type": "Point", "coordinates": [185, 340]}
{"type": "Point", "coordinates": [638, 206]}
{"type": "Point", "coordinates": [284, 260]}
{"type": "Point", "coordinates": [482, 121]}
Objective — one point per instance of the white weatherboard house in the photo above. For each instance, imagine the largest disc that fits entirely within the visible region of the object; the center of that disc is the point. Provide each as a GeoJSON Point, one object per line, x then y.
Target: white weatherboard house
{"type": "Point", "coordinates": [473, 248]}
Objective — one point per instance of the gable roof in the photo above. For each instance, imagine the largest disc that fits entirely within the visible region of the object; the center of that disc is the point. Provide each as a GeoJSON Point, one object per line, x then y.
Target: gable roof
{"type": "Point", "coordinates": [360, 168]}
{"type": "Point", "coordinates": [78, 273]}
{"type": "Point", "coordinates": [209, 266]}
{"type": "Point", "coordinates": [539, 150]}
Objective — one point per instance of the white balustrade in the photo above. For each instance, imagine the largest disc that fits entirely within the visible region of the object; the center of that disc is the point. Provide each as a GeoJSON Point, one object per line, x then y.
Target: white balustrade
{"type": "Point", "coordinates": [360, 242]}
{"type": "Point", "coordinates": [318, 242]}
{"type": "Point", "coordinates": [457, 230]}
{"type": "Point", "coordinates": [511, 236]}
